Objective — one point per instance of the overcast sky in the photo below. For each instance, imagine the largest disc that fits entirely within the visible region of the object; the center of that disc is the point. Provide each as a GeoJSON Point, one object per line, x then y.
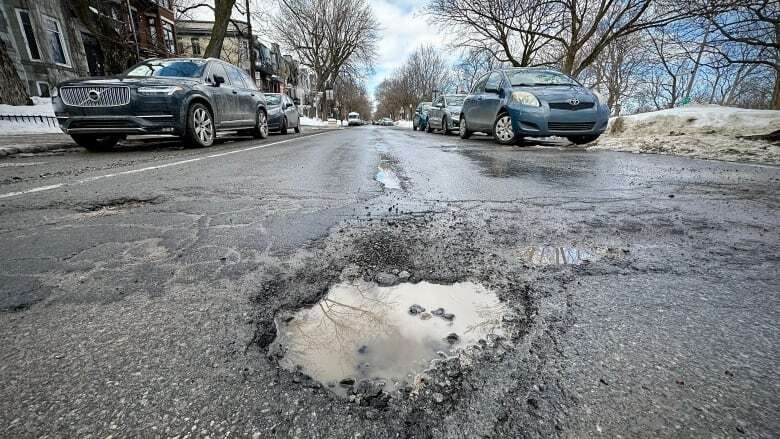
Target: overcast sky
{"type": "Point", "coordinates": [403, 30]}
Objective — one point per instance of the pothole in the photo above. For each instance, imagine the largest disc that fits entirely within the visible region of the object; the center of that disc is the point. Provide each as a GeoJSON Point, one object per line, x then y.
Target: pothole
{"type": "Point", "coordinates": [551, 255]}
{"type": "Point", "coordinates": [363, 333]}
{"type": "Point", "coordinates": [388, 177]}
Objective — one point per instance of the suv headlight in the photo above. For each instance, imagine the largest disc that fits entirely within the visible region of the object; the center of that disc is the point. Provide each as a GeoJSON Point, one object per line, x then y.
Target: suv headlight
{"type": "Point", "coordinates": [159, 91]}
{"type": "Point", "coordinates": [525, 98]}
{"type": "Point", "coordinates": [54, 92]}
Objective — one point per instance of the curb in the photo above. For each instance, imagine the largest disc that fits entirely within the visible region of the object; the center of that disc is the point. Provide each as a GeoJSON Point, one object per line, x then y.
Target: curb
{"type": "Point", "coordinates": [6, 151]}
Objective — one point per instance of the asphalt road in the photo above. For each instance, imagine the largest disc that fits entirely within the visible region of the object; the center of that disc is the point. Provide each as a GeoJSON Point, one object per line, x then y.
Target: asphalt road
{"type": "Point", "coordinates": [138, 287]}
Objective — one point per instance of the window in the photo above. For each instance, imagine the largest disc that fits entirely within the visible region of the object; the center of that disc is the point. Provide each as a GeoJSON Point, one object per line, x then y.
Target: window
{"type": "Point", "coordinates": [134, 21]}
{"type": "Point", "coordinates": [151, 23]}
{"type": "Point", "coordinates": [494, 81]}
{"type": "Point", "coordinates": [236, 77]}
{"type": "Point", "coordinates": [168, 37]}
{"type": "Point", "coordinates": [172, 68]}
{"type": "Point", "coordinates": [479, 87]}
{"type": "Point", "coordinates": [56, 40]}
{"type": "Point", "coordinates": [29, 34]}
{"type": "Point", "coordinates": [195, 46]}
{"type": "Point", "coordinates": [531, 77]}
{"type": "Point", "coordinates": [249, 83]}
{"type": "Point", "coordinates": [218, 70]}
{"type": "Point", "coordinates": [43, 89]}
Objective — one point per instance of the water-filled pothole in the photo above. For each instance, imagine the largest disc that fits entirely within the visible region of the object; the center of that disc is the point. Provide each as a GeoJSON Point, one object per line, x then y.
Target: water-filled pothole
{"type": "Point", "coordinates": [361, 331]}
{"type": "Point", "coordinates": [551, 255]}
{"type": "Point", "coordinates": [388, 177]}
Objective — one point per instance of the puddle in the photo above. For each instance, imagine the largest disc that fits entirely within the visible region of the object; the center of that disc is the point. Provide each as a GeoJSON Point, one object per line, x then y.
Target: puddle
{"type": "Point", "coordinates": [549, 255]}
{"type": "Point", "coordinates": [364, 331]}
{"type": "Point", "coordinates": [388, 177]}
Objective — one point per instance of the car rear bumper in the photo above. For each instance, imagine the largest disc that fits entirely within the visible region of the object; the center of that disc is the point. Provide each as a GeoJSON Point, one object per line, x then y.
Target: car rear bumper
{"type": "Point", "coordinates": [147, 124]}
{"type": "Point", "coordinates": [544, 122]}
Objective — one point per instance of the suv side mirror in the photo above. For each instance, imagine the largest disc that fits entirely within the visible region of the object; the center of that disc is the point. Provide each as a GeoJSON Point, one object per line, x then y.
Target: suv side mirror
{"type": "Point", "coordinates": [297, 101]}
{"type": "Point", "coordinates": [218, 80]}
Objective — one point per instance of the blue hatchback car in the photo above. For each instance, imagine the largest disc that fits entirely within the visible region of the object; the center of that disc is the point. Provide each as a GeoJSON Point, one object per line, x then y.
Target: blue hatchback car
{"type": "Point", "coordinates": [529, 102]}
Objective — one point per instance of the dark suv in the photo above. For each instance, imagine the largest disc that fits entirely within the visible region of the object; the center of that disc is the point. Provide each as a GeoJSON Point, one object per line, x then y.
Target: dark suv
{"type": "Point", "coordinates": [188, 97]}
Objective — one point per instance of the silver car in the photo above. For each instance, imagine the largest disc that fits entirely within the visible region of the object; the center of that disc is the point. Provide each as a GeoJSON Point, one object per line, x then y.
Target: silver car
{"type": "Point", "coordinates": [444, 114]}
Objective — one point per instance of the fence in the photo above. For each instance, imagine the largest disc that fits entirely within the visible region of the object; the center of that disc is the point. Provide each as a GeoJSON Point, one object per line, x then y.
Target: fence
{"type": "Point", "coordinates": [50, 121]}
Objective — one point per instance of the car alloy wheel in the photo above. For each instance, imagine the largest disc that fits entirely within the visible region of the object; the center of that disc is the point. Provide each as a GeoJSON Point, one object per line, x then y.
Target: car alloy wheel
{"type": "Point", "coordinates": [203, 126]}
{"type": "Point", "coordinates": [502, 130]}
{"type": "Point", "coordinates": [261, 131]}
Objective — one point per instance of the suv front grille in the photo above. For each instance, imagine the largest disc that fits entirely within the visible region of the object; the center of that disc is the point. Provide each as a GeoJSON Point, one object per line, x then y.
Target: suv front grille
{"type": "Point", "coordinates": [568, 106]}
{"type": "Point", "coordinates": [570, 126]}
{"type": "Point", "coordinates": [95, 96]}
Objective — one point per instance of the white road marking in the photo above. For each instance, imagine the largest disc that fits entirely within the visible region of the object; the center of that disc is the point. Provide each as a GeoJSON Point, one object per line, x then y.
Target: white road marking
{"type": "Point", "coordinates": [149, 168]}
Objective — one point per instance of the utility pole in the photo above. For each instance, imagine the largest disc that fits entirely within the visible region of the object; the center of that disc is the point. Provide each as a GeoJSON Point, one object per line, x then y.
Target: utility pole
{"type": "Point", "coordinates": [251, 45]}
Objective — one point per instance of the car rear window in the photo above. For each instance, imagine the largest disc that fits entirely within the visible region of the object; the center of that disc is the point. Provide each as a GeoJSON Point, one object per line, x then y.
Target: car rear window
{"type": "Point", "coordinates": [273, 99]}
{"type": "Point", "coordinates": [454, 100]}
{"type": "Point", "coordinates": [168, 68]}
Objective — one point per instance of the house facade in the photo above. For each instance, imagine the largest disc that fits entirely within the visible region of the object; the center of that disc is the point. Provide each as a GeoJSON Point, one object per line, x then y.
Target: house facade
{"type": "Point", "coordinates": [49, 42]}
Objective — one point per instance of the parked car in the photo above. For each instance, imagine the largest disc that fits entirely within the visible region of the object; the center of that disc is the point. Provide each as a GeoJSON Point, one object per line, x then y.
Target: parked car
{"type": "Point", "coordinates": [444, 114]}
{"type": "Point", "coordinates": [282, 113]}
{"type": "Point", "coordinates": [386, 122]}
{"type": "Point", "coordinates": [192, 98]}
{"type": "Point", "coordinates": [353, 119]}
{"type": "Point", "coordinates": [420, 119]}
{"type": "Point", "coordinates": [517, 102]}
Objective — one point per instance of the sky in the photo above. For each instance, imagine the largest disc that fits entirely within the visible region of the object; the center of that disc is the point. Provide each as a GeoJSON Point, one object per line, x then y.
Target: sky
{"type": "Point", "coordinates": [404, 28]}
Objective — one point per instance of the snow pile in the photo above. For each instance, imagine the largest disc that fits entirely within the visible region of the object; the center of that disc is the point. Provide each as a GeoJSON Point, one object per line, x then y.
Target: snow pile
{"type": "Point", "coordinates": [702, 131]}
{"type": "Point", "coordinates": [404, 123]}
{"type": "Point", "coordinates": [312, 122]}
{"type": "Point", "coordinates": [29, 125]}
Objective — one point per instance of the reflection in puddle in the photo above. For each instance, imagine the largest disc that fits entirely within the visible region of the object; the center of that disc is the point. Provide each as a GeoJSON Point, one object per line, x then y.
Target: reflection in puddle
{"type": "Point", "coordinates": [388, 177]}
{"type": "Point", "coordinates": [548, 255]}
{"type": "Point", "coordinates": [363, 331]}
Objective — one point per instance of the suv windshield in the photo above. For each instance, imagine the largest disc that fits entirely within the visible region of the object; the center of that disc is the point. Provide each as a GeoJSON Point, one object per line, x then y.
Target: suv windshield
{"type": "Point", "coordinates": [190, 68]}
{"type": "Point", "coordinates": [538, 77]}
{"type": "Point", "coordinates": [273, 99]}
{"type": "Point", "coordinates": [454, 101]}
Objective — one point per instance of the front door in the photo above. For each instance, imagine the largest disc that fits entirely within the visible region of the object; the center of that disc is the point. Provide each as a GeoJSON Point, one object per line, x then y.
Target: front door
{"type": "Point", "coordinates": [225, 96]}
{"type": "Point", "coordinates": [491, 101]}
{"type": "Point", "coordinates": [94, 55]}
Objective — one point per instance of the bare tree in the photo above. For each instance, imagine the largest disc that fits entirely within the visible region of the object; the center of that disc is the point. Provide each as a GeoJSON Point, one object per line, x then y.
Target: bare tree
{"type": "Point", "coordinates": [331, 37]}
{"type": "Point", "coordinates": [472, 66]}
{"type": "Point", "coordinates": [510, 30]}
{"type": "Point", "coordinates": [748, 24]}
{"type": "Point", "coordinates": [13, 91]}
{"type": "Point", "coordinates": [573, 33]}
{"type": "Point", "coordinates": [118, 50]}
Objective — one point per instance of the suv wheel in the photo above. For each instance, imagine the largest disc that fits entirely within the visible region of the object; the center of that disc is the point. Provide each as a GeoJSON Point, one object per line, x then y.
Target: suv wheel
{"type": "Point", "coordinates": [581, 140]}
{"type": "Point", "coordinates": [463, 130]}
{"type": "Point", "coordinates": [428, 127]}
{"type": "Point", "coordinates": [95, 143]}
{"type": "Point", "coordinates": [200, 130]}
{"type": "Point", "coordinates": [261, 126]}
{"type": "Point", "coordinates": [502, 130]}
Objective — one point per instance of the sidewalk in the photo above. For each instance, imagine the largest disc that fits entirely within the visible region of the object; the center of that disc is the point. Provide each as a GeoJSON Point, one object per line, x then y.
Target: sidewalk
{"type": "Point", "coordinates": [22, 143]}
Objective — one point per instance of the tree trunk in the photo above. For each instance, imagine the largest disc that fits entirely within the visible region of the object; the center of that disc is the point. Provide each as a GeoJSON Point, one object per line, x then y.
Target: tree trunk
{"type": "Point", "coordinates": [222, 11]}
{"type": "Point", "coordinates": [775, 105]}
{"type": "Point", "coordinates": [13, 91]}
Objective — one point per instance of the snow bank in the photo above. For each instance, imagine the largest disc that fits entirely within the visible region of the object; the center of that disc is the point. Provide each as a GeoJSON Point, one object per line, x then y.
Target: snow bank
{"type": "Point", "coordinates": [702, 131]}
{"type": "Point", "coordinates": [404, 123]}
{"type": "Point", "coordinates": [312, 122]}
{"type": "Point", "coordinates": [40, 107]}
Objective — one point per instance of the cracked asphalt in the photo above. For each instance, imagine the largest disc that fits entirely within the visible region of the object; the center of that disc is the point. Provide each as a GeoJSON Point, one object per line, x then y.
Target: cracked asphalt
{"type": "Point", "coordinates": [138, 288]}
